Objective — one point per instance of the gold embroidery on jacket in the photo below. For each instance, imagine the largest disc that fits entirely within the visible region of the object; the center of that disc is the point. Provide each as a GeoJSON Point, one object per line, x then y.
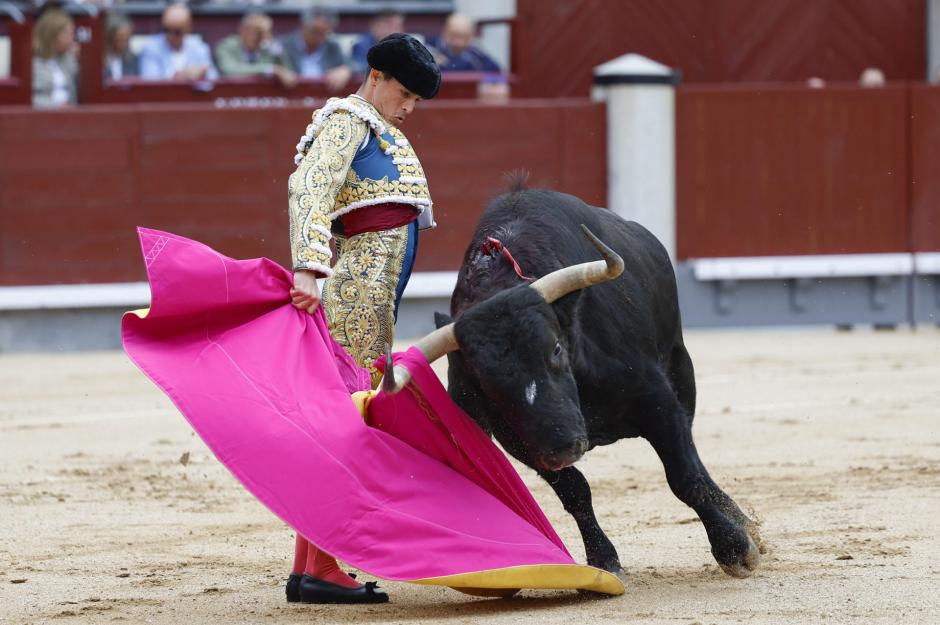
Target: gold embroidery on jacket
{"type": "Point", "coordinates": [313, 187]}
{"type": "Point", "coordinates": [359, 298]}
{"type": "Point", "coordinates": [359, 191]}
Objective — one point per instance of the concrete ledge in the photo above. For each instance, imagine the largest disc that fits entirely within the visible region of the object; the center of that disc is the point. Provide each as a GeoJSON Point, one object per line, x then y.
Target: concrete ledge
{"type": "Point", "coordinates": [77, 317]}
{"type": "Point", "coordinates": [824, 266]}
{"type": "Point", "coordinates": [879, 289]}
{"type": "Point", "coordinates": [131, 295]}
{"type": "Point", "coordinates": [74, 296]}
{"type": "Point", "coordinates": [927, 263]}
{"type": "Point", "coordinates": [882, 300]}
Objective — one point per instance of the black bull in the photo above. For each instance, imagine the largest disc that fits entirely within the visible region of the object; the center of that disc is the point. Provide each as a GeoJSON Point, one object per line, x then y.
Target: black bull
{"type": "Point", "coordinates": [550, 380]}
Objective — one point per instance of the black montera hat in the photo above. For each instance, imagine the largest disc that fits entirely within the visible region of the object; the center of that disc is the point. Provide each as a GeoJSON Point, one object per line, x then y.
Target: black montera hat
{"type": "Point", "coordinates": [408, 62]}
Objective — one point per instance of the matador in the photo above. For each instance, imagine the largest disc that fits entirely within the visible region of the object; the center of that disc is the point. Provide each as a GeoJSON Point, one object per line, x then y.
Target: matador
{"type": "Point", "coordinates": [359, 182]}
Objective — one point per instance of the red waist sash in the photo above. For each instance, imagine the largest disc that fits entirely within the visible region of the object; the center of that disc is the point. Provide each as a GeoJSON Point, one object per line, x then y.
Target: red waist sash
{"type": "Point", "coordinates": [377, 218]}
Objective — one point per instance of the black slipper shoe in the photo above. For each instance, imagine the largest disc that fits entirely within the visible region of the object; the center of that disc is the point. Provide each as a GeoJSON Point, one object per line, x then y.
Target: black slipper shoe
{"type": "Point", "coordinates": [293, 588]}
{"type": "Point", "coordinates": [313, 590]}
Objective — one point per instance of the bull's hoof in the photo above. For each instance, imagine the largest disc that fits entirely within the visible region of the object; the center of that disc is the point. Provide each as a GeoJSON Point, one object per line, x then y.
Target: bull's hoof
{"type": "Point", "coordinates": [745, 564]}
{"type": "Point", "coordinates": [619, 574]}
{"type": "Point", "coordinates": [614, 569]}
{"type": "Point", "coordinates": [610, 563]}
{"type": "Point", "coordinates": [622, 576]}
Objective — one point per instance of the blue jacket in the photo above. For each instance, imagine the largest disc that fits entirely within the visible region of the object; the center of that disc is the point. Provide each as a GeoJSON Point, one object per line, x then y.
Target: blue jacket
{"type": "Point", "coordinates": [294, 49]}
{"type": "Point", "coordinates": [471, 59]}
{"type": "Point", "coordinates": [156, 55]}
{"type": "Point", "coordinates": [360, 51]}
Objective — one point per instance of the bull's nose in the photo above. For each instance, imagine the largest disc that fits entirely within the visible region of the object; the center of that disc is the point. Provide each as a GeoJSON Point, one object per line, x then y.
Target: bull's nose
{"type": "Point", "coordinates": [558, 459]}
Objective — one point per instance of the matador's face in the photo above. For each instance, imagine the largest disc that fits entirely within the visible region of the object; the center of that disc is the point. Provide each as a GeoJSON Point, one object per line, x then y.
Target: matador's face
{"type": "Point", "coordinates": [392, 99]}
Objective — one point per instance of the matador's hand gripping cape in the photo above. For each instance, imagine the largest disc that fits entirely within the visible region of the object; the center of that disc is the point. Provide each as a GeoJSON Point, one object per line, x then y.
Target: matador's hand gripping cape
{"type": "Point", "coordinates": [423, 497]}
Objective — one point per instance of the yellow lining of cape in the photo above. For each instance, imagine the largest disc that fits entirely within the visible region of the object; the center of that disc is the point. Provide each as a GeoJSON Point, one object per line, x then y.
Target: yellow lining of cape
{"type": "Point", "coordinates": [543, 576]}
{"type": "Point", "coordinates": [140, 312]}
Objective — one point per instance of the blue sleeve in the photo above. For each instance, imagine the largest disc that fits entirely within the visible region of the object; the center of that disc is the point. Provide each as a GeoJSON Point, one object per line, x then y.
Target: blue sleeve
{"type": "Point", "coordinates": [204, 55]}
{"type": "Point", "coordinates": [360, 51]}
{"type": "Point", "coordinates": [150, 66]}
{"type": "Point", "coordinates": [486, 63]}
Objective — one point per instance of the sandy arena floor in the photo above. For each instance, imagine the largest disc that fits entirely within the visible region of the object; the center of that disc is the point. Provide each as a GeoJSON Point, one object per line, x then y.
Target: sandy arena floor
{"type": "Point", "coordinates": [831, 439]}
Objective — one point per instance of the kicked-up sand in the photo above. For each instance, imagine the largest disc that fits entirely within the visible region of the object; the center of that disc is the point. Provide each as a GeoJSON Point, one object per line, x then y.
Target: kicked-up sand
{"type": "Point", "coordinates": [114, 512]}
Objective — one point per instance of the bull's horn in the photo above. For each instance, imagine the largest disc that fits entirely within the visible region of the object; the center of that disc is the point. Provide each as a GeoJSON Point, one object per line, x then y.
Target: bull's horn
{"type": "Point", "coordinates": [562, 281]}
{"type": "Point", "coordinates": [433, 346]}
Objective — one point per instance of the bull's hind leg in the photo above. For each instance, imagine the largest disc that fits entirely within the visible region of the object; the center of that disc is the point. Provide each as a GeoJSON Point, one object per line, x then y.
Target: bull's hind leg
{"type": "Point", "coordinates": [733, 536]}
{"type": "Point", "coordinates": [575, 494]}
{"type": "Point", "coordinates": [682, 377]}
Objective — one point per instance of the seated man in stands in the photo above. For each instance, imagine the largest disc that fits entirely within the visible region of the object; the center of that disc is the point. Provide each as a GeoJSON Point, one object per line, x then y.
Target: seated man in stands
{"type": "Point", "coordinates": [172, 55]}
{"type": "Point", "coordinates": [385, 22]}
{"type": "Point", "coordinates": [312, 51]}
{"type": "Point", "coordinates": [249, 53]}
{"type": "Point", "coordinates": [455, 52]}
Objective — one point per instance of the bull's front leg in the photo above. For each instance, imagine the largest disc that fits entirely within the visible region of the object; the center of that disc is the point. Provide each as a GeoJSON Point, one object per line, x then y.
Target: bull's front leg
{"type": "Point", "coordinates": [733, 536]}
{"type": "Point", "coordinates": [575, 494]}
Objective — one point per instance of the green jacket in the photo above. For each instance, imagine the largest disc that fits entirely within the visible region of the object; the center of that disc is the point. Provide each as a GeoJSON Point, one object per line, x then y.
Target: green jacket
{"type": "Point", "coordinates": [231, 59]}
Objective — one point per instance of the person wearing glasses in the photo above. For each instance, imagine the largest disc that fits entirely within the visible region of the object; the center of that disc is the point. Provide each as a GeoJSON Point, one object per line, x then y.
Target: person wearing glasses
{"type": "Point", "coordinates": [172, 55]}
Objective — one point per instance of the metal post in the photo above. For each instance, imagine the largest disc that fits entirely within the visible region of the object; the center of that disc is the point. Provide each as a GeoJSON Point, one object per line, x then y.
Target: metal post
{"type": "Point", "coordinates": [641, 137]}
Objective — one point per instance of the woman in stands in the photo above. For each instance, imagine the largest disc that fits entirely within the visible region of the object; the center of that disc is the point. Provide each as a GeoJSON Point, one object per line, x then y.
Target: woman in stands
{"type": "Point", "coordinates": [55, 64]}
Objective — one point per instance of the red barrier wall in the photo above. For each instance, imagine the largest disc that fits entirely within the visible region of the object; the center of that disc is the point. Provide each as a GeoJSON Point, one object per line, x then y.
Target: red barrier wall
{"type": "Point", "coordinates": [782, 171]}
{"type": "Point", "coordinates": [75, 183]}
{"type": "Point", "coordinates": [925, 168]}
{"type": "Point", "coordinates": [719, 40]}
{"type": "Point", "coordinates": [774, 171]}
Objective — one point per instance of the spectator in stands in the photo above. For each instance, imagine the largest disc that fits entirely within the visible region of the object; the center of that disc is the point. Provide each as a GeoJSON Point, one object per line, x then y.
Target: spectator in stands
{"type": "Point", "coordinates": [267, 36]}
{"type": "Point", "coordinates": [455, 52]}
{"type": "Point", "coordinates": [312, 51]}
{"type": "Point", "coordinates": [55, 64]}
{"type": "Point", "coordinates": [454, 49]}
{"type": "Point", "coordinates": [385, 22]}
{"type": "Point", "coordinates": [173, 55]}
{"type": "Point", "coordinates": [119, 61]}
{"type": "Point", "coordinates": [251, 53]}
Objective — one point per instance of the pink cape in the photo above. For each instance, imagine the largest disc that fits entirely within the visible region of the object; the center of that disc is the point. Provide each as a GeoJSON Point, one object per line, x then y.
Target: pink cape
{"type": "Point", "coordinates": [423, 494]}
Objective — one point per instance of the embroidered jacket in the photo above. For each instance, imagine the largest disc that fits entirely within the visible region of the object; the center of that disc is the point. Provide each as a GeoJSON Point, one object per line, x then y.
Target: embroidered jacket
{"type": "Point", "coordinates": [348, 158]}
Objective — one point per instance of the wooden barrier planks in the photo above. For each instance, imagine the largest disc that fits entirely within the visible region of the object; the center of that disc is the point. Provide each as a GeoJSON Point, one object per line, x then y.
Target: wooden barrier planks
{"type": "Point", "coordinates": [714, 41]}
{"type": "Point", "coordinates": [768, 171]}
{"type": "Point", "coordinates": [561, 145]}
{"type": "Point", "coordinates": [925, 168]}
{"type": "Point", "coordinates": [790, 170]}
{"type": "Point", "coordinates": [74, 184]}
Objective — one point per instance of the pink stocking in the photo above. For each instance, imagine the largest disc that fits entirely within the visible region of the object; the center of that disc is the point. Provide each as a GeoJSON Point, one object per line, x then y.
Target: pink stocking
{"type": "Point", "coordinates": [323, 566]}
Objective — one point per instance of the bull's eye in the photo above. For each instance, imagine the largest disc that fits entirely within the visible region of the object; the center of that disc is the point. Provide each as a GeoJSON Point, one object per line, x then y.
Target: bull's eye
{"type": "Point", "coordinates": [557, 355]}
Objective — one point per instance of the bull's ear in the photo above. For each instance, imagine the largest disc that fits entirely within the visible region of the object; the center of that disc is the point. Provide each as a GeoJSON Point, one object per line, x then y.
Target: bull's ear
{"type": "Point", "coordinates": [441, 320]}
